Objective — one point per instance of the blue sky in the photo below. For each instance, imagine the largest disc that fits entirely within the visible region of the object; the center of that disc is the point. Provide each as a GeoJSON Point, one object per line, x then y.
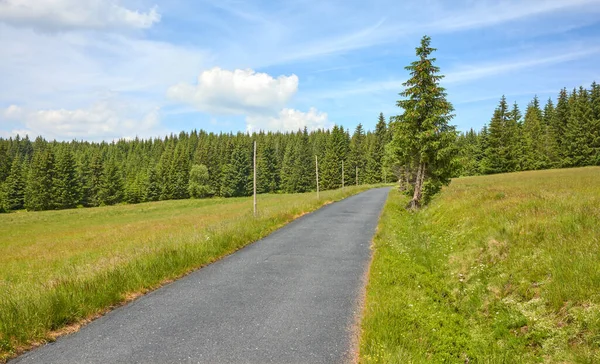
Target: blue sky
{"type": "Point", "coordinates": [107, 69]}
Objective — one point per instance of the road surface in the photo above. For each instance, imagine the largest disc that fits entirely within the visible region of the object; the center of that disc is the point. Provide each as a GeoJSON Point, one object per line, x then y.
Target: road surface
{"type": "Point", "coordinates": [292, 297]}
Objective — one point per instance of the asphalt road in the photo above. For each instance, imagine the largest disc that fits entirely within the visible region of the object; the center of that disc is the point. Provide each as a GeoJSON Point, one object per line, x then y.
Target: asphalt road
{"type": "Point", "coordinates": [291, 297]}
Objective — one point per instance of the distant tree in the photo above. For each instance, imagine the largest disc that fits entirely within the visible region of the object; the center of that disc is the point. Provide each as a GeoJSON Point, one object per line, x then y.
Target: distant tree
{"type": "Point", "coordinates": [578, 136]}
{"type": "Point", "coordinates": [595, 123]}
{"type": "Point", "coordinates": [287, 175]}
{"type": "Point", "coordinates": [331, 165]}
{"type": "Point", "coordinates": [153, 188]}
{"type": "Point", "coordinates": [14, 187]}
{"type": "Point", "coordinates": [303, 167]}
{"type": "Point", "coordinates": [424, 125]}
{"type": "Point", "coordinates": [198, 186]}
{"type": "Point", "coordinates": [66, 191]}
{"type": "Point", "coordinates": [179, 172]}
{"type": "Point", "coordinates": [497, 152]}
{"type": "Point", "coordinates": [135, 187]}
{"type": "Point", "coordinates": [533, 156]}
{"type": "Point", "coordinates": [236, 174]}
{"type": "Point", "coordinates": [376, 151]}
{"type": "Point", "coordinates": [6, 161]}
{"type": "Point", "coordinates": [551, 148]}
{"type": "Point", "coordinates": [39, 187]}
{"type": "Point", "coordinates": [267, 178]}
{"type": "Point", "coordinates": [358, 158]}
{"type": "Point", "coordinates": [111, 183]}
{"type": "Point", "coordinates": [559, 124]}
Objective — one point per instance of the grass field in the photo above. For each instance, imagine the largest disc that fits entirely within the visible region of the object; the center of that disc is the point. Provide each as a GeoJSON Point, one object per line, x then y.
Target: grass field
{"type": "Point", "coordinates": [60, 267]}
{"type": "Point", "coordinates": [498, 269]}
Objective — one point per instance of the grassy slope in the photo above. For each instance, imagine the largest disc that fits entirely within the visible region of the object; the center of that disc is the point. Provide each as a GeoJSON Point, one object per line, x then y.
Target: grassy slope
{"type": "Point", "coordinates": [502, 268]}
{"type": "Point", "coordinates": [58, 267]}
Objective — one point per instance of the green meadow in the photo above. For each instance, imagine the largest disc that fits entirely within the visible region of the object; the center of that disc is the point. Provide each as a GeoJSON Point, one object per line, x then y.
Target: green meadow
{"type": "Point", "coordinates": [61, 267]}
{"type": "Point", "coordinates": [498, 269]}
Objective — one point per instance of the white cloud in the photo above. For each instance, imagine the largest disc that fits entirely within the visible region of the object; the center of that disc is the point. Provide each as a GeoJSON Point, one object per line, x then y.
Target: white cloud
{"type": "Point", "coordinates": [104, 120]}
{"type": "Point", "coordinates": [13, 112]}
{"type": "Point", "coordinates": [289, 120]}
{"type": "Point", "coordinates": [54, 15]}
{"type": "Point", "coordinates": [220, 91]}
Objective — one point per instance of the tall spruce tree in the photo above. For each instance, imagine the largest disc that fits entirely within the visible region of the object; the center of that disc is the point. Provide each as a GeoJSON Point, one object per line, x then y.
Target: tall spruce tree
{"type": "Point", "coordinates": [336, 151]}
{"type": "Point", "coordinates": [578, 136]}
{"type": "Point", "coordinates": [111, 183]}
{"type": "Point", "coordinates": [199, 182]}
{"type": "Point", "coordinates": [38, 191]}
{"type": "Point", "coordinates": [425, 127]}
{"type": "Point", "coordinates": [497, 152]}
{"type": "Point", "coordinates": [551, 148]}
{"type": "Point", "coordinates": [595, 123]}
{"type": "Point", "coordinates": [303, 170]}
{"type": "Point", "coordinates": [267, 178]}
{"type": "Point", "coordinates": [14, 186]}
{"type": "Point", "coordinates": [237, 173]}
{"type": "Point", "coordinates": [533, 132]}
{"type": "Point", "coordinates": [65, 183]}
{"type": "Point", "coordinates": [377, 151]}
{"type": "Point", "coordinates": [559, 124]}
{"type": "Point", "coordinates": [358, 159]}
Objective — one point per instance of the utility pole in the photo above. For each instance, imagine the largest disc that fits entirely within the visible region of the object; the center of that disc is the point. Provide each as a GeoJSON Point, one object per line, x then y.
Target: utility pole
{"type": "Point", "coordinates": [357, 175]}
{"type": "Point", "coordinates": [317, 169]}
{"type": "Point", "coordinates": [255, 212]}
{"type": "Point", "coordinates": [342, 175]}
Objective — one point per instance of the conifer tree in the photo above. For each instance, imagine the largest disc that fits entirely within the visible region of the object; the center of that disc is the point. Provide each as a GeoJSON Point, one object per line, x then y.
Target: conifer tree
{"type": "Point", "coordinates": [38, 191]}
{"type": "Point", "coordinates": [303, 171]}
{"type": "Point", "coordinates": [551, 148]}
{"type": "Point", "coordinates": [14, 187]}
{"type": "Point", "coordinates": [5, 162]}
{"type": "Point", "coordinates": [595, 123]}
{"type": "Point", "coordinates": [288, 177]}
{"type": "Point", "coordinates": [534, 157]}
{"type": "Point", "coordinates": [559, 124]}
{"type": "Point", "coordinates": [357, 154]}
{"type": "Point", "coordinates": [153, 188]}
{"type": "Point", "coordinates": [513, 140]}
{"type": "Point", "coordinates": [199, 182]}
{"type": "Point", "coordinates": [267, 178]}
{"type": "Point", "coordinates": [236, 174]}
{"type": "Point", "coordinates": [482, 150]}
{"type": "Point", "coordinates": [111, 183]}
{"type": "Point", "coordinates": [336, 151]}
{"type": "Point", "coordinates": [179, 172]}
{"type": "Point", "coordinates": [578, 136]}
{"type": "Point", "coordinates": [425, 124]}
{"type": "Point", "coordinates": [497, 152]}
{"type": "Point", "coordinates": [94, 182]}
{"type": "Point", "coordinates": [65, 185]}
{"type": "Point", "coordinates": [377, 151]}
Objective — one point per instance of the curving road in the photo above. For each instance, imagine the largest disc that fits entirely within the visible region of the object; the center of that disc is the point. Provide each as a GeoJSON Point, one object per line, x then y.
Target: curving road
{"type": "Point", "coordinates": [291, 297]}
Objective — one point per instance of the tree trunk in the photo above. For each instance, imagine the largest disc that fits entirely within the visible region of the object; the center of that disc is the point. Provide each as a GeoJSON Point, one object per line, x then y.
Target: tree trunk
{"type": "Point", "coordinates": [401, 184]}
{"type": "Point", "coordinates": [415, 203]}
{"type": "Point", "coordinates": [407, 176]}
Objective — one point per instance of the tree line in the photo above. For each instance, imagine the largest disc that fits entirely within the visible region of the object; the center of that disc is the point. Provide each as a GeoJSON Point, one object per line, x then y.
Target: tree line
{"type": "Point", "coordinates": [561, 135]}
{"type": "Point", "coordinates": [47, 175]}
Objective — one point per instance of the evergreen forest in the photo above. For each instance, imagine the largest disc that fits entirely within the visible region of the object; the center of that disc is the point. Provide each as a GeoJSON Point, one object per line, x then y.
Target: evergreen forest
{"type": "Point", "coordinates": [46, 175]}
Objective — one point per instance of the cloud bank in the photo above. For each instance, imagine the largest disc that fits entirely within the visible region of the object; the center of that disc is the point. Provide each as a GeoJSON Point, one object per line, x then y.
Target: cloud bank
{"type": "Point", "coordinates": [259, 96]}
{"type": "Point", "coordinates": [60, 15]}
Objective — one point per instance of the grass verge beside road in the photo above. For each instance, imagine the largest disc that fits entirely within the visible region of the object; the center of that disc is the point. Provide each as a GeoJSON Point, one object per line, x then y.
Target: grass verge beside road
{"type": "Point", "coordinates": [498, 269]}
{"type": "Point", "coordinates": [58, 268]}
